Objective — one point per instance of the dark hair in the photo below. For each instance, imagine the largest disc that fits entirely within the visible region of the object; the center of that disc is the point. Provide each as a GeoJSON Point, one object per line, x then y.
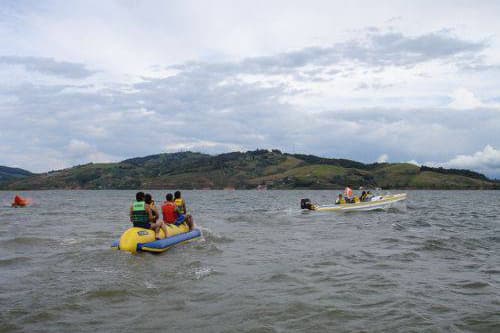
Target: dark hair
{"type": "Point", "coordinates": [139, 196]}
{"type": "Point", "coordinates": [177, 194]}
{"type": "Point", "coordinates": [169, 197]}
{"type": "Point", "coordinates": [363, 193]}
{"type": "Point", "coordinates": [148, 198]}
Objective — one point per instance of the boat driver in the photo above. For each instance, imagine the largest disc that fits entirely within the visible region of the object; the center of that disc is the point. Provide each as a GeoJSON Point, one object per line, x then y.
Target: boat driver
{"type": "Point", "coordinates": [348, 195]}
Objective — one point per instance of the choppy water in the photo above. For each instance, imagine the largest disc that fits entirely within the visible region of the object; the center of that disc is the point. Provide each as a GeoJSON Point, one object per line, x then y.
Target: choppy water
{"type": "Point", "coordinates": [432, 265]}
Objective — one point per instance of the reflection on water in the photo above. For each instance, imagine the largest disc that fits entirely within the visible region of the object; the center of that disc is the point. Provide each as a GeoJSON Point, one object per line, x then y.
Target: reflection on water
{"type": "Point", "coordinates": [262, 265]}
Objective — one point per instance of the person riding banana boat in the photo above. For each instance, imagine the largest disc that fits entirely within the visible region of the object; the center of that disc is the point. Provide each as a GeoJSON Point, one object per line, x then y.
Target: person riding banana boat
{"type": "Point", "coordinates": [152, 234]}
{"type": "Point", "coordinates": [181, 206]}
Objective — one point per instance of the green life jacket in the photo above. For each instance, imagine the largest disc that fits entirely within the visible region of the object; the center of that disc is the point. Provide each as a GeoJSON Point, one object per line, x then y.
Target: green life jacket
{"type": "Point", "coordinates": [140, 217]}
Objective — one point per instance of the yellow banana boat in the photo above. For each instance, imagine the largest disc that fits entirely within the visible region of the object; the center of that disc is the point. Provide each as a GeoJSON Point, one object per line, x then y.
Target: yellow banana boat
{"type": "Point", "coordinates": [140, 239]}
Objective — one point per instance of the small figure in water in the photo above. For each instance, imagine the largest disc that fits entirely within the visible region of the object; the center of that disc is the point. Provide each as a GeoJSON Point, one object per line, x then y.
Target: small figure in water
{"type": "Point", "coordinates": [19, 202]}
{"type": "Point", "coordinates": [141, 214]}
{"type": "Point", "coordinates": [181, 206]}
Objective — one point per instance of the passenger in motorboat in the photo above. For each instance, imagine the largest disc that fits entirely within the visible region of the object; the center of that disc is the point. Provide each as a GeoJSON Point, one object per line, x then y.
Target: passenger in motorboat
{"type": "Point", "coordinates": [348, 197]}
{"type": "Point", "coordinates": [340, 200]}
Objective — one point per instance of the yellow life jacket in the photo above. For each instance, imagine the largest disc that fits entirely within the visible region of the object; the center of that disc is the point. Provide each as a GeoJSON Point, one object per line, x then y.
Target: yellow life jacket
{"type": "Point", "coordinates": [180, 204]}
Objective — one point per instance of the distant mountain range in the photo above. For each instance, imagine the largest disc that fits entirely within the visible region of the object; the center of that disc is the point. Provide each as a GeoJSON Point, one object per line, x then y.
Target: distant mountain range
{"type": "Point", "coordinates": [249, 170]}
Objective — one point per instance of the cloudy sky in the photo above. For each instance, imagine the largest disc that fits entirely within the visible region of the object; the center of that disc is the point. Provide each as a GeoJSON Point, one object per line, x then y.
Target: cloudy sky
{"type": "Point", "coordinates": [366, 80]}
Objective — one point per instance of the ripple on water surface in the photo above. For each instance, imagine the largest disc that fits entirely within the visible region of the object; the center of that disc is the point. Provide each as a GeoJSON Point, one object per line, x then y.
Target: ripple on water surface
{"type": "Point", "coordinates": [262, 265]}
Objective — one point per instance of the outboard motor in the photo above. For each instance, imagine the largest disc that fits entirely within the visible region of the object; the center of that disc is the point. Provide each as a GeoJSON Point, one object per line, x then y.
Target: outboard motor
{"type": "Point", "coordinates": [305, 204]}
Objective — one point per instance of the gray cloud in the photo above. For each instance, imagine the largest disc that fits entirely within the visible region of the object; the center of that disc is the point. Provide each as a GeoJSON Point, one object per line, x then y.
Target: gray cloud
{"type": "Point", "coordinates": [395, 48]}
{"type": "Point", "coordinates": [375, 49]}
{"type": "Point", "coordinates": [207, 107]}
{"type": "Point", "coordinates": [477, 64]}
{"type": "Point", "coordinates": [49, 66]}
{"type": "Point", "coordinates": [192, 111]}
{"type": "Point", "coordinates": [387, 48]}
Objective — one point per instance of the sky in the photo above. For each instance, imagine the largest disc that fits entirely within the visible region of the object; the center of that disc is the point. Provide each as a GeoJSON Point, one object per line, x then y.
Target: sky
{"type": "Point", "coordinates": [372, 81]}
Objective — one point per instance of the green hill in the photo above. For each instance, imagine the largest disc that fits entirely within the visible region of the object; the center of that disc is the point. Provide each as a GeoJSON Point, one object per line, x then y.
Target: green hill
{"type": "Point", "coordinates": [276, 170]}
{"type": "Point", "coordinates": [8, 174]}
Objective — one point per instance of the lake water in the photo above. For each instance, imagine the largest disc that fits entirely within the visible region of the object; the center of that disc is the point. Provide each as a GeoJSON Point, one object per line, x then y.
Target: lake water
{"type": "Point", "coordinates": [430, 265]}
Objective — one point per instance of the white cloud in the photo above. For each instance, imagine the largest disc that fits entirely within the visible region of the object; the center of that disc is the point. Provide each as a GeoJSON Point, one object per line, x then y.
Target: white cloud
{"type": "Point", "coordinates": [464, 99]}
{"type": "Point", "coordinates": [78, 148]}
{"type": "Point", "coordinates": [382, 158]}
{"type": "Point", "coordinates": [82, 152]}
{"type": "Point", "coordinates": [144, 112]}
{"type": "Point", "coordinates": [202, 145]}
{"type": "Point", "coordinates": [487, 160]}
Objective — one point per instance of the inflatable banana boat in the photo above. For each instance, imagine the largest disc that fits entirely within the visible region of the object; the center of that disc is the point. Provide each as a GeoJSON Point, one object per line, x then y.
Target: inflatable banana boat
{"type": "Point", "coordinates": [139, 239]}
{"type": "Point", "coordinates": [378, 202]}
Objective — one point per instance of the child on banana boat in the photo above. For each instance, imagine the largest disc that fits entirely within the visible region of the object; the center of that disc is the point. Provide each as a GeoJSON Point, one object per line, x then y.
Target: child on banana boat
{"type": "Point", "coordinates": [148, 199]}
{"type": "Point", "coordinates": [181, 205]}
{"type": "Point", "coordinates": [171, 212]}
{"type": "Point", "coordinates": [141, 214]}
{"type": "Point", "coordinates": [145, 214]}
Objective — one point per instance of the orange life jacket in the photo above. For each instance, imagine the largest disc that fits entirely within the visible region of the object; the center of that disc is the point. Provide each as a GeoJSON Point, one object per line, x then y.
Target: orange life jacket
{"type": "Point", "coordinates": [169, 210]}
